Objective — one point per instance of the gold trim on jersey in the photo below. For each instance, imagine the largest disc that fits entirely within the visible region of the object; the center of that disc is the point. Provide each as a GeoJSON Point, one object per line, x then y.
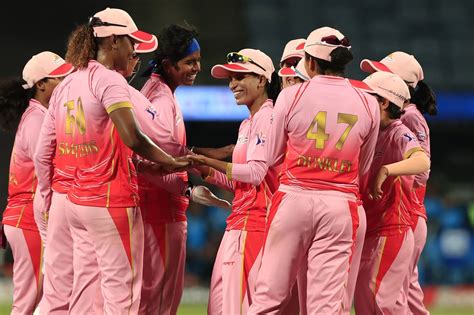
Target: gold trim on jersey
{"type": "Point", "coordinates": [115, 106]}
{"type": "Point", "coordinates": [21, 216]}
{"type": "Point", "coordinates": [411, 151]}
{"type": "Point", "coordinates": [228, 171]}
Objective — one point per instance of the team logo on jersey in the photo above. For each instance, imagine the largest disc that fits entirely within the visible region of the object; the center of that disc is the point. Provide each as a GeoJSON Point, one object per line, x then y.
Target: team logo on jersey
{"type": "Point", "coordinates": [409, 136]}
{"type": "Point", "coordinates": [178, 119]}
{"type": "Point", "coordinates": [152, 111]}
{"type": "Point", "coordinates": [421, 136]}
{"type": "Point", "coordinates": [261, 138]}
{"type": "Point", "coordinates": [242, 139]}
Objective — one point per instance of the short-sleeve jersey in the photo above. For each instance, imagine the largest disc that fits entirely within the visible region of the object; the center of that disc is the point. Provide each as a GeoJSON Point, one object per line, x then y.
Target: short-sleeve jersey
{"type": "Point", "coordinates": [22, 180]}
{"type": "Point", "coordinates": [87, 138]}
{"type": "Point", "coordinates": [392, 213]}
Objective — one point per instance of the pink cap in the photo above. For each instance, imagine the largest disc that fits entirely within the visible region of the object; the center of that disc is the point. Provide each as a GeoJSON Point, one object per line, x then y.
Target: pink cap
{"type": "Point", "coordinates": [387, 85]}
{"type": "Point", "coordinates": [322, 41]}
{"type": "Point", "coordinates": [142, 48]}
{"type": "Point", "coordinates": [298, 71]}
{"type": "Point", "coordinates": [122, 25]}
{"type": "Point", "coordinates": [257, 56]}
{"type": "Point", "coordinates": [400, 63]}
{"type": "Point", "coordinates": [45, 65]}
{"type": "Point", "coordinates": [294, 48]}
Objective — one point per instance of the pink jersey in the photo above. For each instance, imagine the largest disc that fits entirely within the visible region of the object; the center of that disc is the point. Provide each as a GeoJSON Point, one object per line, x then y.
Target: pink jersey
{"type": "Point", "coordinates": [160, 118]}
{"type": "Point", "coordinates": [392, 213]}
{"type": "Point", "coordinates": [22, 180]}
{"type": "Point", "coordinates": [416, 122]}
{"type": "Point", "coordinates": [86, 137]}
{"type": "Point", "coordinates": [54, 169]}
{"type": "Point", "coordinates": [325, 132]}
{"type": "Point", "coordinates": [250, 204]}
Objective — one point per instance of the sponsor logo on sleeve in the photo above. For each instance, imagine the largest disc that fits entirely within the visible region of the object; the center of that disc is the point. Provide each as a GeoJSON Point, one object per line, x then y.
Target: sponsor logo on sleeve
{"type": "Point", "coordinates": [421, 136]}
{"type": "Point", "coordinates": [152, 111]}
{"type": "Point", "coordinates": [261, 139]}
{"type": "Point", "coordinates": [409, 136]}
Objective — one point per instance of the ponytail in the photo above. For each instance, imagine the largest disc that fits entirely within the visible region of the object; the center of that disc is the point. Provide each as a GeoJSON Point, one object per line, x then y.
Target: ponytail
{"type": "Point", "coordinates": [82, 46]}
{"type": "Point", "coordinates": [340, 57]}
{"type": "Point", "coordinates": [424, 99]}
{"type": "Point", "coordinates": [273, 88]}
{"type": "Point", "coordinates": [14, 99]}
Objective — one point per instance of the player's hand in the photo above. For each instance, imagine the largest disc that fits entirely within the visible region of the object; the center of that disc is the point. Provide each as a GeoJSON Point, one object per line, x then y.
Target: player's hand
{"type": "Point", "coordinates": [203, 196]}
{"type": "Point", "coordinates": [179, 163]}
{"type": "Point", "coordinates": [377, 192]}
{"type": "Point", "coordinates": [222, 153]}
{"type": "Point", "coordinates": [199, 159]}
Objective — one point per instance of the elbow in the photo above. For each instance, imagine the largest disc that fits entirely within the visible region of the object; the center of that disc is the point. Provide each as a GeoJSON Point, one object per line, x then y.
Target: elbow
{"type": "Point", "coordinates": [256, 181]}
{"type": "Point", "coordinates": [427, 164]}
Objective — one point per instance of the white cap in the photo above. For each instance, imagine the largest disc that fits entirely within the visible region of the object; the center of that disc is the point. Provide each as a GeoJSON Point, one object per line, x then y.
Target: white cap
{"type": "Point", "coordinates": [45, 65]}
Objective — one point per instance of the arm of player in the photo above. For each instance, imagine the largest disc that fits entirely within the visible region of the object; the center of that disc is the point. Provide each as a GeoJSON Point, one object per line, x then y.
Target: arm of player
{"type": "Point", "coordinates": [134, 138]}
{"type": "Point", "coordinates": [367, 149]}
{"type": "Point", "coordinates": [219, 179]}
{"type": "Point", "coordinates": [277, 137]}
{"type": "Point", "coordinates": [43, 159]}
{"type": "Point", "coordinates": [176, 185]}
{"type": "Point", "coordinates": [216, 153]}
{"type": "Point", "coordinates": [417, 162]}
{"type": "Point", "coordinates": [253, 172]}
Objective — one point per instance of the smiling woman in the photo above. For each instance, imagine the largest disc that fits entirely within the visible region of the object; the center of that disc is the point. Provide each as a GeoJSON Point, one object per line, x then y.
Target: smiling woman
{"type": "Point", "coordinates": [254, 84]}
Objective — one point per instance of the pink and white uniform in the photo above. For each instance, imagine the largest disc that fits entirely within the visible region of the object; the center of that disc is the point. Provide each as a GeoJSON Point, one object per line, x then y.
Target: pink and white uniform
{"type": "Point", "coordinates": [164, 213]}
{"type": "Point", "coordinates": [389, 240]}
{"type": "Point", "coordinates": [253, 183]}
{"type": "Point", "coordinates": [20, 227]}
{"type": "Point", "coordinates": [55, 172]}
{"type": "Point", "coordinates": [324, 131]}
{"type": "Point", "coordinates": [415, 121]}
{"type": "Point", "coordinates": [101, 206]}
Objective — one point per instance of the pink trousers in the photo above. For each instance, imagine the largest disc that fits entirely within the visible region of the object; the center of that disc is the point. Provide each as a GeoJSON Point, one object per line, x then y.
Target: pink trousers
{"type": "Point", "coordinates": [235, 273]}
{"type": "Point", "coordinates": [359, 225]}
{"type": "Point", "coordinates": [415, 293]}
{"type": "Point", "coordinates": [111, 238]}
{"type": "Point", "coordinates": [27, 277]}
{"type": "Point", "coordinates": [381, 286]}
{"type": "Point", "coordinates": [163, 268]}
{"type": "Point", "coordinates": [312, 227]}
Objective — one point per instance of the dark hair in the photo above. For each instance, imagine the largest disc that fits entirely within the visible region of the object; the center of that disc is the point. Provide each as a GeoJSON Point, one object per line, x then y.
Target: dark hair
{"type": "Point", "coordinates": [394, 111]}
{"type": "Point", "coordinates": [14, 99]}
{"type": "Point", "coordinates": [173, 42]}
{"type": "Point", "coordinates": [81, 46]}
{"type": "Point", "coordinates": [340, 57]}
{"type": "Point", "coordinates": [273, 88]}
{"type": "Point", "coordinates": [424, 98]}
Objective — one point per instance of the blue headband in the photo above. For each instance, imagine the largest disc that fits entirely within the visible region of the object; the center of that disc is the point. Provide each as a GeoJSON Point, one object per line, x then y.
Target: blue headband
{"type": "Point", "coordinates": [193, 47]}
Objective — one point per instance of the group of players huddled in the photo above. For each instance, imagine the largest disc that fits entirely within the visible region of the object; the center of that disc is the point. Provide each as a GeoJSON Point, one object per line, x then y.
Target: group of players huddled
{"type": "Point", "coordinates": [328, 176]}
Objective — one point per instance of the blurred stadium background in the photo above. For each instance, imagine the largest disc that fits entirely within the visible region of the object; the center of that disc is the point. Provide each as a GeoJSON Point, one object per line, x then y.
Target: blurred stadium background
{"type": "Point", "coordinates": [437, 32]}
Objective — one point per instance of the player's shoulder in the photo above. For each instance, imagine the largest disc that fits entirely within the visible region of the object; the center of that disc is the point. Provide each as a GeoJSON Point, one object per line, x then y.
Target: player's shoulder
{"type": "Point", "coordinates": [101, 75]}
{"type": "Point", "coordinates": [403, 133]}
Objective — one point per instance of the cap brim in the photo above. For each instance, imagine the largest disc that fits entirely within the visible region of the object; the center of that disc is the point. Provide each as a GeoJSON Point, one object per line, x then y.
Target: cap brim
{"type": "Point", "coordinates": [143, 48]}
{"type": "Point", "coordinates": [297, 55]}
{"type": "Point", "coordinates": [361, 85]}
{"type": "Point", "coordinates": [371, 66]}
{"type": "Point", "coordinates": [287, 72]}
{"type": "Point", "coordinates": [141, 36]}
{"type": "Point", "coordinates": [223, 71]}
{"type": "Point", "coordinates": [61, 71]}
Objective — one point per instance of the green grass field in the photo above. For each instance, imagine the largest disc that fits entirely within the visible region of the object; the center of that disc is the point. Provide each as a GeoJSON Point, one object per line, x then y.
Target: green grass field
{"type": "Point", "coordinates": [202, 310]}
